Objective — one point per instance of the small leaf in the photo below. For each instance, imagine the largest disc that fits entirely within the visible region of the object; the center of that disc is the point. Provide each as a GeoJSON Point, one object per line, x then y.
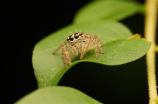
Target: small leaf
{"type": "Point", "coordinates": [49, 68]}
{"type": "Point", "coordinates": [107, 9]}
{"type": "Point", "coordinates": [57, 95]}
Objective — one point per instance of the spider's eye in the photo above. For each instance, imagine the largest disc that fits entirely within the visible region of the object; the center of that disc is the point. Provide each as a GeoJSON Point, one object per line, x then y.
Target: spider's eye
{"type": "Point", "coordinates": [71, 39]}
{"type": "Point", "coordinates": [76, 36]}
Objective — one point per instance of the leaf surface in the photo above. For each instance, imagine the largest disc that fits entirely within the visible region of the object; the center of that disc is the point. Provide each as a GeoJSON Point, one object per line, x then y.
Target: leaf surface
{"type": "Point", "coordinates": [49, 68]}
{"type": "Point", "coordinates": [108, 10]}
{"type": "Point", "coordinates": [57, 95]}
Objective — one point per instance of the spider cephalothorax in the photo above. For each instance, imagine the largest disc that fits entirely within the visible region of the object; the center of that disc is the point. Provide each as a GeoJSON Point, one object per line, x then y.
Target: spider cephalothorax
{"type": "Point", "coordinates": [79, 43]}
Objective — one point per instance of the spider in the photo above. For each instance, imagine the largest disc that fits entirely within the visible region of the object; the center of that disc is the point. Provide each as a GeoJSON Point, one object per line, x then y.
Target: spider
{"type": "Point", "coordinates": [79, 43]}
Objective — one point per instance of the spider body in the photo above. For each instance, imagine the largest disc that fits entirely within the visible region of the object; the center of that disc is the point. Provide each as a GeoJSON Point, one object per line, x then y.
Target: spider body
{"type": "Point", "coordinates": [79, 43]}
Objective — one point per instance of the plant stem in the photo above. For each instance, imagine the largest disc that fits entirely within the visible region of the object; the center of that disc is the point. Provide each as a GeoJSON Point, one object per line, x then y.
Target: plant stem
{"type": "Point", "coordinates": [156, 49]}
{"type": "Point", "coordinates": [150, 31]}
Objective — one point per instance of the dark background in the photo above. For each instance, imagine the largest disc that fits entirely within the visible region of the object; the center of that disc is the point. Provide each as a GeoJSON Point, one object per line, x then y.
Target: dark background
{"type": "Point", "coordinates": [23, 24]}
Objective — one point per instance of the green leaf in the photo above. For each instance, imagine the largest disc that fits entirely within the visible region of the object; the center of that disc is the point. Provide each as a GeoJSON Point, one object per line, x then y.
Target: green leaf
{"type": "Point", "coordinates": [49, 68]}
{"type": "Point", "coordinates": [57, 95]}
{"type": "Point", "coordinates": [107, 9]}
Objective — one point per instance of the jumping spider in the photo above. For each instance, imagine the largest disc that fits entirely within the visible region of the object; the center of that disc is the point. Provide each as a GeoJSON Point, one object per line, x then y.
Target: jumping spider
{"type": "Point", "coordinates": [79, 43]}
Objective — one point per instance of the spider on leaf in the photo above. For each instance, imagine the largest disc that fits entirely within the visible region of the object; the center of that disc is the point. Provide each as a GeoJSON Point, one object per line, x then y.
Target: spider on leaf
{"type": "Point", "coordinates": [79, 43]}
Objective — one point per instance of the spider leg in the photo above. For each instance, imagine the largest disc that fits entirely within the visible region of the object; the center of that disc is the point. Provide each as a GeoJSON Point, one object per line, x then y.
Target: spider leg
{"type": "Point", "coordinates": [100, 45]}
{"type": "Point", "coordinates": [96, 47]}
{"type": "Point", "coordinates": [65, 55]}
{"type": "Point", "coordinates": [64, 61]}
{"type": "Point", "coordinates": [86, 47]}
{"type": "Point", "coordinates": [60, 47]}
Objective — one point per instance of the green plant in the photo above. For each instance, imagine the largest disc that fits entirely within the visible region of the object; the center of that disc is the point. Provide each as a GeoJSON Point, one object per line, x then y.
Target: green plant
{"type": "Point", "coordinates": [118, 49]}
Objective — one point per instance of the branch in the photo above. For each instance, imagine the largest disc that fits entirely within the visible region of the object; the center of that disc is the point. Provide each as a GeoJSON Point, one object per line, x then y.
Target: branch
{"type": "Point", "coordinates": [150, 31]}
